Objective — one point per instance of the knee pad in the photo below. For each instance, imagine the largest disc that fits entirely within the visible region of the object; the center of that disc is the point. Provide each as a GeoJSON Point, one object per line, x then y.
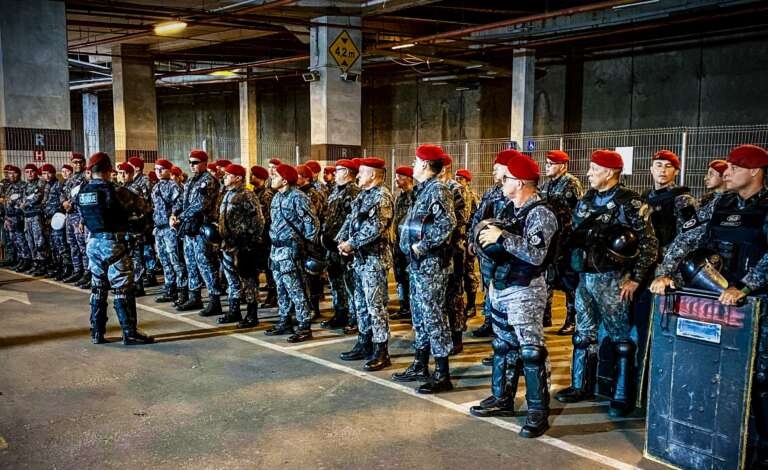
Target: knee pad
{"type": "Point", "coordinates": [624, 348]}
{"type": "Point", "coordinates": [500, 346]}
{"type": "Point", "coordinates": [533, 354]}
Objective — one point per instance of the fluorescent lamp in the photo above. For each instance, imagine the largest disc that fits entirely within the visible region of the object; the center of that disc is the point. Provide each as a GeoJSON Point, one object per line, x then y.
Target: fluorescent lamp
{"type": "Point", "coordinates": [169, 27]}
{"type": "Point", "coordinates": [403, 46]}
{"type": "Point", "coordinates": [223, 73]}
{"type": "Point", "coordinates": [636, 4]}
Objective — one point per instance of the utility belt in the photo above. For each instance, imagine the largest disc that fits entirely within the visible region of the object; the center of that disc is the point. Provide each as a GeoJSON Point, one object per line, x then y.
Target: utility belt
{"type": "Point", "coordinates": [162, 226]}
{"type": "Point", "coordinates": [440, 253]}
{"type": "Point", "coordinates": [285, 244]}
{"type": "Point", "coordinates": [118, 236]}
{"type": "Point", "coordinates": [32, 213]}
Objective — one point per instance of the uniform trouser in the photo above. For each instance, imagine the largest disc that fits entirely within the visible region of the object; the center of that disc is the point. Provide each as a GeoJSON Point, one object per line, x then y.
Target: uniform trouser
{"type": "Point", "coordinates": [110, 266]}
{"type": "Point", "coordinates": [9, 250]}
{"type": "Point", "coordinates": [340, 278]}
{"type": "Point", "coordinates": [471, 279]}
{"type": "Point", "coordinates": [16, 236]}
{"type": "Point", "coordinates": [454, 295]}
{"type": "Point", "coordinates": [760, 388]}
{"type": "Point", "coordinates": [174, 271]}
{"type": "Point", "coordinates": [59, 249]}
{"type": "Point", "coordinates": [598, 301]}
{"type": "Point", "coordinates": [401, 277]}
{"type": "Point", "coordinates": [292, 294]}
{"type": "Point", "coordinates": [371, 299]}
{"type": "Point", "coordinates": [137, 255]}
{"type": "Point", "coordinates": [430, 323]}
{"type": "Point", "coordinates": [150, 261]}
{"type": "Point", "coordinates": [236, 285]}
{"type": "Point", "coordinates": [202, 266]}
{"type": "Point", "coordinates": [77, 242]}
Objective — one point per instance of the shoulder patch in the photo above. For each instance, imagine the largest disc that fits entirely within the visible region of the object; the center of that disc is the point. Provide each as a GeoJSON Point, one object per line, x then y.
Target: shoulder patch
{"type": "Point", "coordinates": [690, 223]}
{"type": "Point", "coordinates": [636, 203]}
{"type": "Point", "coordinates": [536, 239]}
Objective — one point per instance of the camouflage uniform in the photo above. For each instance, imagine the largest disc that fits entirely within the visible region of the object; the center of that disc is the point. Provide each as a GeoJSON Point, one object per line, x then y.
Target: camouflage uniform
{"type": "Point", "coordinates": [9, 251]}
{"type": "Point", "coordinates": [428, 269]}
{"type": "Point", "coordinates": [241, 225]}
{"type": "Point", "coordinates": [57, 238]}
{"type": "Point", "coordinates": [471, 280]}
{"type": "Point", "coordinates": [340, 270]}
{"type": "Point", "coordinates": [317, 203]}
{"type": "Point", "coordinates": [75, 238]}
{"type": "Point", "coordinates": [402, 205]}
{"type": "Point", "coordinates": [32, 206]}
{"type": "Point", "coordinates": [14, 218]}
{"type": "Point", "coordinates": [165, 195]}
{"type": "Point", "coordinates": [141, 186]}
{"type": "Point", "coordinates": [195, 207]}
{"type": "Point", "coordinates": [265, 195]}
{"type": "Point", "coordinates": [454, 293]}
{"type": "Point", "coordinates": [291, 212]}
{"type": "Point", "coordinates": [367, 229]}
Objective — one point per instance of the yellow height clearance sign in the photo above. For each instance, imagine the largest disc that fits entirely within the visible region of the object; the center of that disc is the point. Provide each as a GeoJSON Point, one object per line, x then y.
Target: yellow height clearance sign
{"type": "Point", "coordinates": [344, 51]}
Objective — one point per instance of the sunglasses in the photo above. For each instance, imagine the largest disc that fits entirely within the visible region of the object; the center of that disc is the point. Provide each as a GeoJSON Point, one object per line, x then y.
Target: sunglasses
{"type": "Point", "coordinates": [194, 162]}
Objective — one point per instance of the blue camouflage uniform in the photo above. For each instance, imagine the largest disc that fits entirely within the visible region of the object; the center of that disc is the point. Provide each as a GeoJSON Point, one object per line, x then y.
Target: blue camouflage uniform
{"type": "Point", "coordinates": [403, 203]}
{"type": "Point", "coordinates": [32, 206]}
{"type": "Point", "coordinates": [75, 238]}
{"type": "Point", "coordinates": [454, 294]}
{"type": "Point", "coordinates": [14, 218]}
{"type": "Point", "coordinates": [9, 251]}
{"type": "Point", "coordinates": [165, 195]}
{"type": "Point", "coordinates": [140, 185]}
{"type": "Point", "coordinates": [58, 238]}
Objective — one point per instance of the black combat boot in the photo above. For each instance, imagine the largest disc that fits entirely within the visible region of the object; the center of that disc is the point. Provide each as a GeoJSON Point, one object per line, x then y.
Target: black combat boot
{"type": "Point", "coordinates": [440, 381]}
{"type": "Point", "coordinates": [362, 348]}
{"type": "Point", "coordinates": [27, 266]}
{"type": "Point", "coordinates": [536, 391]}
{"type": "Point", "coordinates": [98, 318]}
{"type": "Point", "coordinates": [569, 327]}
{"type": "Point", "coordinates": [233, 315]}
{"type": "Point", "coordinates": [351, 328]}
{"type": "Point", "coordinates": [380, 357]}
{"type": "Point", "coordinates": [251, 315]}
{"type": "Point", "coordinates": [213, 308]}
{"type": "Point", "coordinates": [338, 320]}
{"type": "Point", "coordinates": [507, 367]}
{"type": "Point", "coordinates": [139, 289]}
{"type": "Point", "coordinates": [418, 371]}
{"type": "Point", "coordinates": [623, 401]}
{"type": "Point", "coordinates": [457, 338]}
{"type": "Point", "coordinates": [193, 302]}
{"type": "Point", "coordinates": [485, 330]}
{"type": "Point", "coordinates": [583, 372]}
{"type": "Point", "coordinates": [470, 310]}
{"type": "Point", "coordinates": [181, 297]}
{"type": "Point", "coordinates": [38, 268]}
{"type": "Point", "coordinates": [303, 333]}
{"type": "Point", "coordinates": [52, 269]}
{"type": "Point", "coordinates": [85, 281]}
{"type": "Point", "coordinates": [282, 327]}
{"type": "Point", "coordinates": [271, 300]}
{"type": "Point", "coordinates": [169, 294]}
{"type": "Point", "coordinates": [151, 279]}
{"type": "Point", "coordinates": [131, 336]}
{"type": "Point", "coordinates": [74, 276]}
{"type": "Point", "coordinates": [65, 273]}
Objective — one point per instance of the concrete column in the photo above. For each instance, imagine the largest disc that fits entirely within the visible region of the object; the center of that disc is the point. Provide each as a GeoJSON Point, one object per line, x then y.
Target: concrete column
{"type": "Point", "coordinates": [249, 125]}
{"type": "Point", "coordinates": [334, 101]}
{"type": "Point", "coordinates": [90, 123]}
{"type": "Point", "coordinates": [134, 102]}
{"type": "Point", "coordinates": [521, 122]}
{"type": "Point", "coordinates": [34, 83]}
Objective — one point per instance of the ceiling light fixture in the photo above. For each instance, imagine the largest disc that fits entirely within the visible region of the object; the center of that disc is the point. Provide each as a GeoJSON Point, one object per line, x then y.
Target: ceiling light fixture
{"type": "Point", "coordinates": [636, 4]}
{"type": "Point", "coordinates": [403, 46]}
{"type": "Point", "coordinates": [223, 73]}
{"type": "Point", "coordinates": [169, 27]}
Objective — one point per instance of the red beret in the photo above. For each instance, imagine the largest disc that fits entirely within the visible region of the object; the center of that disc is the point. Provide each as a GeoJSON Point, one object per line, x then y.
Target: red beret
{"type": "Point", "coordinates": [404, 170]}
{"type": "Point", "coordinates": [211, 166]}
{"type": "Point", "coordinates": [165, 164]}
{"type": "Point", "coordinates": [49, 168]}
{"type": "Point", "coordinates": [464, 173]}
{"type": "Point", "coordinates": [748, 156]}
{"type": "Point", "coordinates": [259, 172]}
{"type": "Point", "coordinates": [447, 160]}
{"type": "Point", "coordinates": [77, 156]}
{"type": "Point", "coordinates": [198, 154]}
{"type": "Point", "coordinates": [288, 173]}
{"type": "Point", "coordinates": [176, 171]}
{"type": "Point", "coordinates": [223, 163]}
{"type": "Point", "coordinates": [136, 162]}
{"type": "Point", "coordinates": [429, 152]}
{"type": "Point", "coordinates": [236, 170]}
{"type": "Point", "coordinates": [523, 167]}
{"type": "Point", "coordinates": [373, 162]}
{"type": "Point", "coordinates": [329, 169]}
{"type": "Point", "coordinates": [669, 156]}
{"type": "Point", "coordinates": [353, 164]}
{"type": "Point", "coordinates": [719, 166]}
{"type": "Point", "coordinates": [31, 166]}
{"type": "Point", "coordinates": [503, 157]}
{"type": "Point", "coordinates": [304, 171]}
{"type": "Point", "coordinates": [67, 167]}
{"type": "Point", "coordinates": [607, 159]}
{"type": "Point", "coordinates": [313, 165]}
{"type": "Point", "coordinates": [558, 156]}
{"type": "Point", "coordinates": [12, 168]}
{"type": "Point", "coordinates": [98, 158]}
{"type": "Point", "coordinates": [125, 166]}
{"type": "Point", "coordinates": [275, 161]}
{"type": "Point", "coordinates": [153, 177]}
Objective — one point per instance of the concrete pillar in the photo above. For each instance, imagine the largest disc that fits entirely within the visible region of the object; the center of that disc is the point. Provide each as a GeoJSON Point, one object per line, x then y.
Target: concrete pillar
{"type": "Point", "coordinates": [134, 102]}
{"type": "Point", "coordinates": [521, 122]}
{"type": "Point", "coordinates": [249, 125]}
{"type": "Point", "coordinates": [34, 83]}
{"type": "Point", "coordinates": [335, 97]}
{"type": "Point", "coordinates": [90, 123]}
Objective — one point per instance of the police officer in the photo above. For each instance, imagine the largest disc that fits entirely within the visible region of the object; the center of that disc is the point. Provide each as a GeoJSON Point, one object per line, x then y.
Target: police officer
{"type": "Point", "coordinates": [32, 207]}
{"type": "Point", "coordinates": [518, 295]}
{"type": "Point", "coordinates": [9, 250]}
{"type": "Point", "coordinates": [196, 207]}
{"type": "Point", "coordinates": [259, 180]}
{"type": "Point", "coordinates": [605, 223]}
{"type": "Point", "coordinates": [55, 239]}
{"type": "Point", "coordinates": [293, 224]}
{"type": "Point", "coordinates": [75, 237]}
{"type": "Point", "coordinates": [713, 181]}
{"type": "Point", "coordinates": [317, 202]}
{"type": "Point", "coordinates": [142, 185]}
{"type": "Point", "coordinates": [329, 180]}
{"type": "Point", "coordinates": [14, 218]}
{"type": "Point", "coordinates": [316, 169]}
{"type": "Point", "coordinates": [566, 189]}
{"type": "Point", "coordinates": [471, 281]}
{"type": "Point", "coordinates": [743, 247]}
{"type": "Point", "coordinates": [366, 236]}
{"type": "Point", "coordinates": [241, 225]}
{"type": "Point", "coordinates": [340, 269]}
{"type": "Point", "coordinates": [125, 174]}
{"type": "Point", "coordinates": [107, 210]}
{"type": "Point", "coordinates": [165, 195]}
{"type": "Point", "coordinates": [425, 237]}
{"type": "Point", "coordinates": [404, 201]}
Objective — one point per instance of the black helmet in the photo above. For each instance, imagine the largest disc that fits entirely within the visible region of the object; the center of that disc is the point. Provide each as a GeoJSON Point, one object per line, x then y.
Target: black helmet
{"type": "Point", "coordinates": [210, 232]}
{"type": "Point", "coordinates": [701, 270]}
{"type": "Point", "coordinates": [494, 251]}
{"type": "Point", "coordinates": [314, 265]}
{"type": "Point", "coordinates": [329, 243]}
{"type": "Point", "coordinates": [621, 243]}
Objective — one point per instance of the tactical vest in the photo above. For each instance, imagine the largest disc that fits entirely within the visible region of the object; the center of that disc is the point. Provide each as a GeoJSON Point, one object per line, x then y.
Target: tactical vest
{"type": "Point", "coordinates": [738, 236]}
{"type": "Point", "coordinates": [516, 272]}
{"type": "Point", "coordinates": [100, 209]}
{"type": "Point", "coordinates": [663, 216]}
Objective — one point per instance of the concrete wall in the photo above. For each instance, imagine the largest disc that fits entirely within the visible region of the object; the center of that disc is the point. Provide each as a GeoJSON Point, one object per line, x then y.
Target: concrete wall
{"type": "Point", "coordinates": [284, 121]}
